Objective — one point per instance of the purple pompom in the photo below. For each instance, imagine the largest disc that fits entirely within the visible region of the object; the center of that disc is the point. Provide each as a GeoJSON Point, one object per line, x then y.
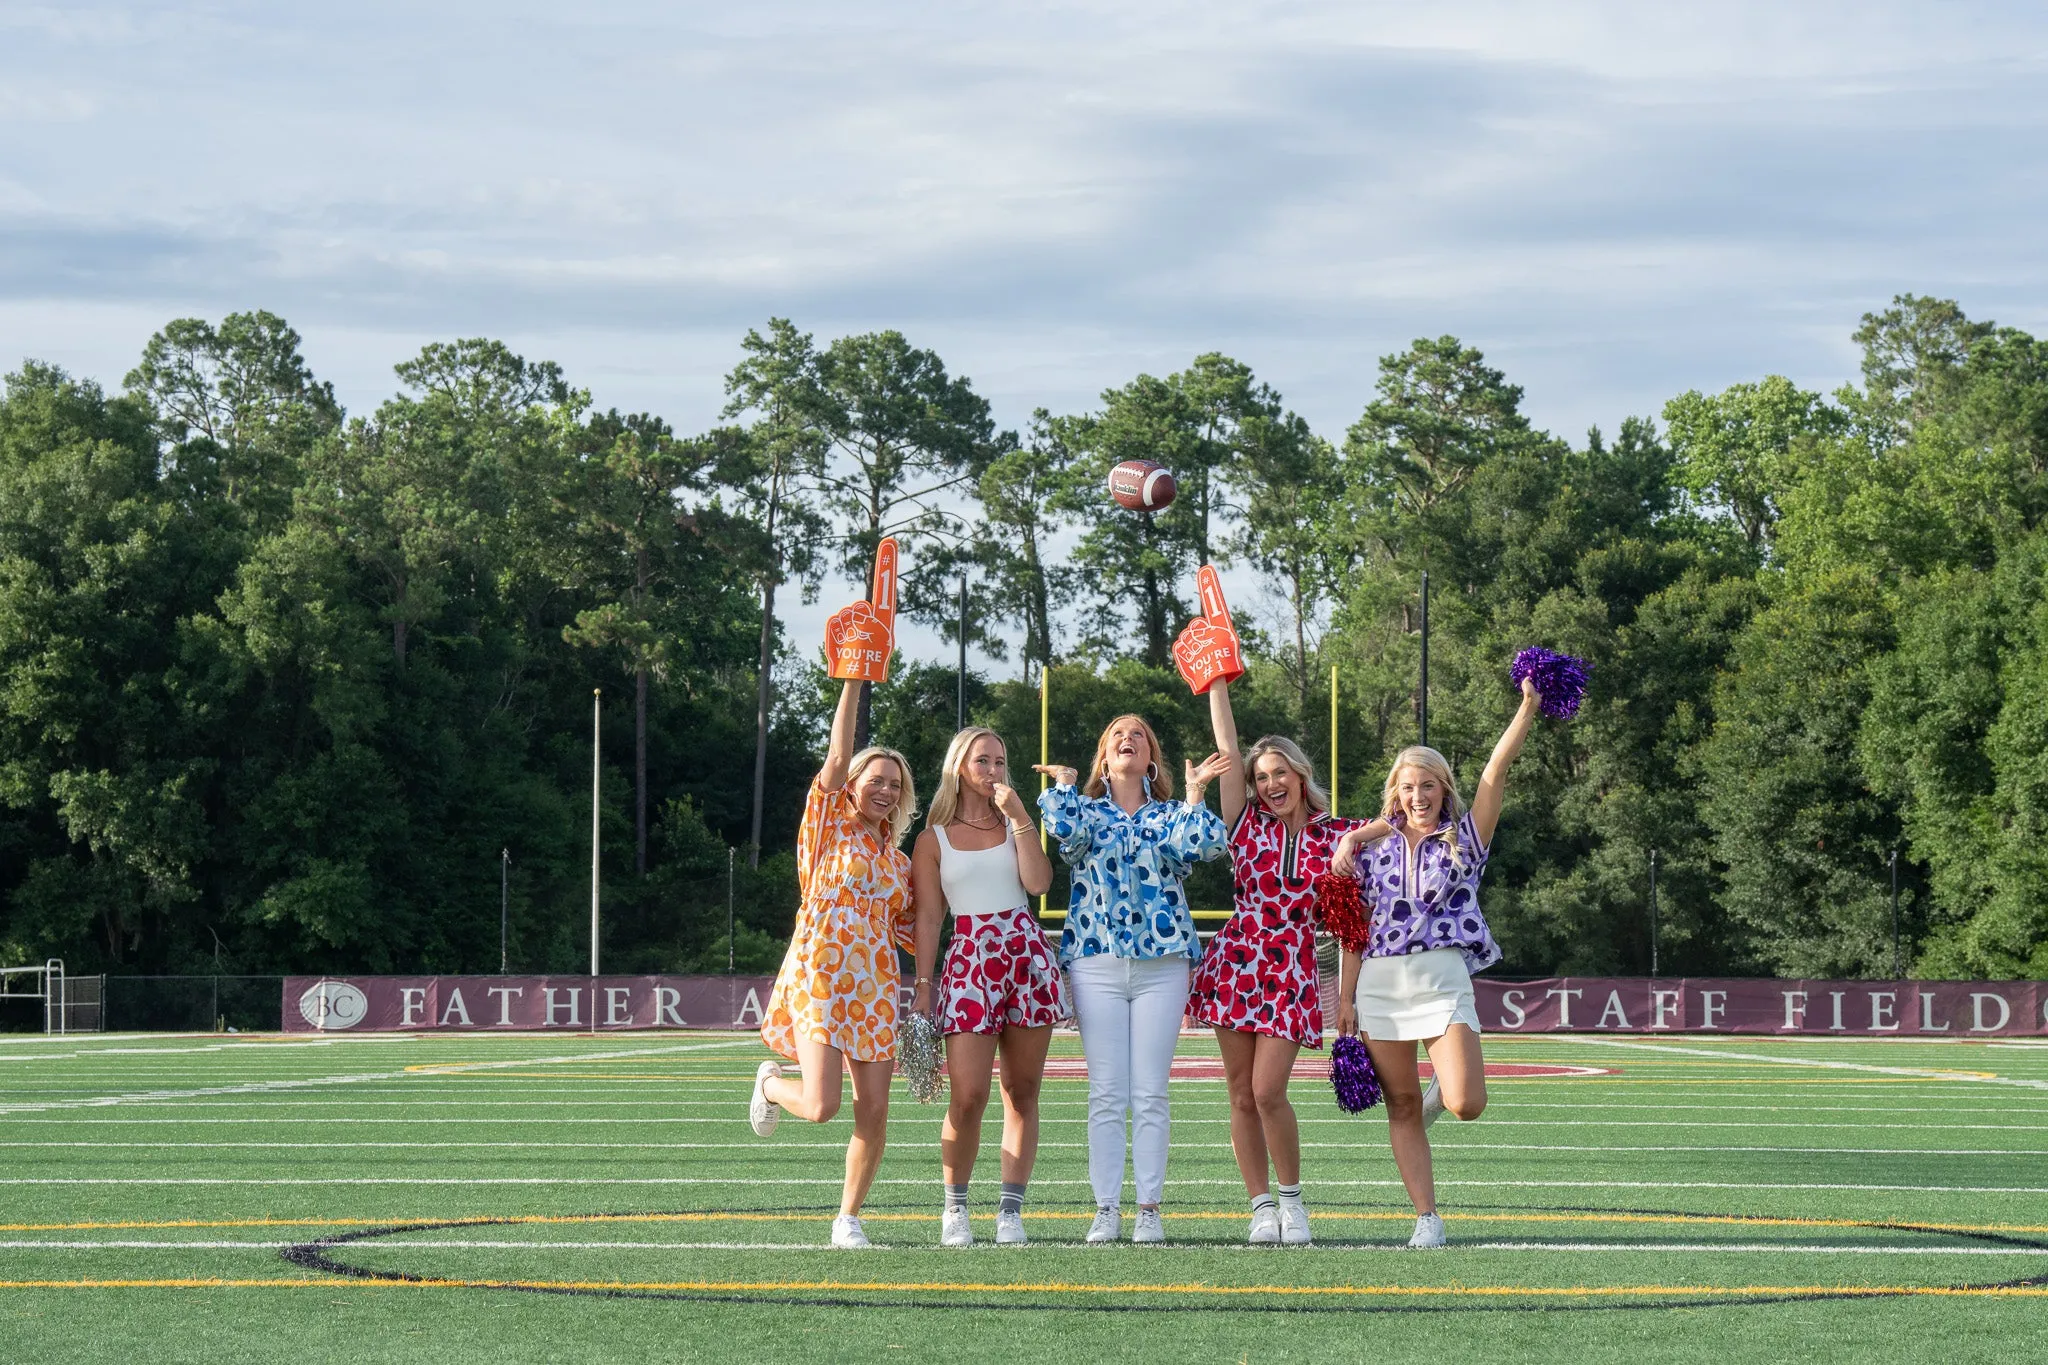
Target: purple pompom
{"type": "Point", "coordinates": [1560, 679]}
{"type": "Point", "coordinates": [1352, 1076]}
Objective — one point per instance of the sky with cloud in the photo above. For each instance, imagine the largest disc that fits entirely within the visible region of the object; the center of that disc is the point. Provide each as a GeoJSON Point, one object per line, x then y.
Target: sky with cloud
{"type": "Point", "coordinates": [1616, 202]}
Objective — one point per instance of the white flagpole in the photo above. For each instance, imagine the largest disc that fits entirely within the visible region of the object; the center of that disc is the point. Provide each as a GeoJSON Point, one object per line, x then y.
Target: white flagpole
{"type": "Point", "coordinates": [596, 733]}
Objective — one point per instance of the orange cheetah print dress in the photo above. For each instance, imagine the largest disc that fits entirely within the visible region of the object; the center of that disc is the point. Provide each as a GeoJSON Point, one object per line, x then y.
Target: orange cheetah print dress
{"type": "Point", "coordinates": [839, 982]}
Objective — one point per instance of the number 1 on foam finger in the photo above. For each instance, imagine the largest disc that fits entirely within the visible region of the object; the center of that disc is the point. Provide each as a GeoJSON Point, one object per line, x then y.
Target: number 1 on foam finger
{"type": "Point", "coordinates": [883, 594]}
{"type": "Point", "coordinates": [1210, 586]}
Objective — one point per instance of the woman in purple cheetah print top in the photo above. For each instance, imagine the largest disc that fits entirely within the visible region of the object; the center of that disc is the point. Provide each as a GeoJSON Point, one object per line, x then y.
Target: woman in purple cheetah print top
{"type": "Point", "coordinates": [1413, 983]}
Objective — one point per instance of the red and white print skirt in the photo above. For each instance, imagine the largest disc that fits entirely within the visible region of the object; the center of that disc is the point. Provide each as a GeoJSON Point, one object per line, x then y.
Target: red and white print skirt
{"type": "Point", "coordinates": [1258, 975]}
{"type": "Point", "coordinates": [1001, 972]}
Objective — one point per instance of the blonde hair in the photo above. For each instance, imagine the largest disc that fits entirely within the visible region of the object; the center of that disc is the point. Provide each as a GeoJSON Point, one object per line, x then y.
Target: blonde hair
{"type": "Point", "coordinates": [1290, 754]}
{"type": "Point", "coordinates": [1160, 775]}
{"type": "Point", "coordinates": [946, 802]}
{"type": "Point", "coordinates": [1430, 761]}
{"type": "Point", "coordinates": [897, 822]}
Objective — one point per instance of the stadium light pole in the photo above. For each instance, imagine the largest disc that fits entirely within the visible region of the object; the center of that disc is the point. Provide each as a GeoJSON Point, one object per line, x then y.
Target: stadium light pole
{"type": "Point", "coordinates": [504, 909]}
{"type": "Point", "coordinates": [1898, 969]}
{"type": "Point", "coordinates": [960, 694]}
{"type": "Point", "coordinates": [1422, 692]}
{"type": "Point", "coordinates": [596, 733]}
{"type": "Point", "coordinates": [1653, 913]}
{"type": "Point", "coordinates": [729, 958]}
{"type": "Point", "coordinates": [1333, 739]}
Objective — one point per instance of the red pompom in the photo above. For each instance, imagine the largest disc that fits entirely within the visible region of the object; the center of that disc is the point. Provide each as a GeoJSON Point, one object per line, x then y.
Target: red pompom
{"type": "Point", "coordinates": [1342, 911]}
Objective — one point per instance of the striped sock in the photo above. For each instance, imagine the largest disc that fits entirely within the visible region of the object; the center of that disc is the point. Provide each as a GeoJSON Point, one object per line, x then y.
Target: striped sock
{"type": "Point", "coordinates": [956, 1196]}
{"type": "Point", "coordinates": [1261, 1201]}
{"type": "Point", "coordinates": [1013, 1197]}
{"type": "Point", "coordinates": [1289, 1194]}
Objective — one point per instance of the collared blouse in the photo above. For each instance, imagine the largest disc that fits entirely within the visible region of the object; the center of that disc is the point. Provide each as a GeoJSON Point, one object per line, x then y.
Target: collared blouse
{"type": "Point", "coordinates": [1422, 900]}
{"type": "Point", "coordinates": [1127, 897]}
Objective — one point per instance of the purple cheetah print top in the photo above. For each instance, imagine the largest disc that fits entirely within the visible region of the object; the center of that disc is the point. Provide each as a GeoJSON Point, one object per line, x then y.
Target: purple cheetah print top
{"type": "Point", "coordinates": [1421, 901]}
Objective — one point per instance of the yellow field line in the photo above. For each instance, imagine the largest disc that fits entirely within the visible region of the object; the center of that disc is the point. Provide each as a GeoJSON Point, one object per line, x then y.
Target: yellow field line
{"type": "Point", "coordinates": [558, 1219]}
{"type": "Point", "coordinates": [1062, 1287]}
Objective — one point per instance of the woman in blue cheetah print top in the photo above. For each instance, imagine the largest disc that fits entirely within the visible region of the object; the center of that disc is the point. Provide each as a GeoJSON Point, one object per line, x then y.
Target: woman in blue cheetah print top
{"type": "Point", "coordinates": [1127, 866]}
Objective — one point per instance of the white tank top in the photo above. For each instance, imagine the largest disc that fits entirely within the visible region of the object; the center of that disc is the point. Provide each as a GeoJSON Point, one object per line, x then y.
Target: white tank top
{"type": "Point", "coordinates": [981, 882]}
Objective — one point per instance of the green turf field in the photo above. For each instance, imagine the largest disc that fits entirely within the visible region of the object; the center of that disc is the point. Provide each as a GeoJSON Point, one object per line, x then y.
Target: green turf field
{"type": "Point", "coordinates": [568, 1199]}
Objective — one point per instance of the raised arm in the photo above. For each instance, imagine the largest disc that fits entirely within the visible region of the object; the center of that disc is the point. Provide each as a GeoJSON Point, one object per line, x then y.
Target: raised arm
{"type": "Point", "coordinates": [833, 775]}
{"type": "Point", "coordinates": [1223, 724]}
{"type": "Point", "coordinates": [1493, 783]}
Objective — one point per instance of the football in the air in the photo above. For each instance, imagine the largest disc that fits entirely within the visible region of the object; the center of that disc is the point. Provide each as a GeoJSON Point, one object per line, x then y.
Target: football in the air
{"type": "Point", "coordinates": [1142, 486]}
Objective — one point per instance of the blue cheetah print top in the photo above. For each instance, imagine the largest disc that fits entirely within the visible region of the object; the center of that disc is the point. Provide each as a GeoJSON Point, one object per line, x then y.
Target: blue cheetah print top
{"type": "Point", "coordinates": [1127, 899]}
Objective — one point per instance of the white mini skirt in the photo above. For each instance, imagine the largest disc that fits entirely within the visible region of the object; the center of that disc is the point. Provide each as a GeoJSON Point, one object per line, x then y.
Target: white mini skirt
{"type": "Point", "coordinates": [1415, 996]}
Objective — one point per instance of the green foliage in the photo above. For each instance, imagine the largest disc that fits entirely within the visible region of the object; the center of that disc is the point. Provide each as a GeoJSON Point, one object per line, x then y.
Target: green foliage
{"type": "Point", "coordinates": [294, 681]}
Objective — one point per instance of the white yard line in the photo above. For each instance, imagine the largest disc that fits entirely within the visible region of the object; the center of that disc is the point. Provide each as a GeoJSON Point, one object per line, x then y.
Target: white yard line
{"type": "Point", "coordinates": [1920, 1072]}
{"type": "Point", "coordinates": [924, 1182]}
{"type": "Point", "coordinates": [1576, 1248]}
{"type": "Point", "coordinates": [760, 1146]}
{"type": "Point", "coordinates": [728, 1121]}
{"type": "Point", "coordinates": [258, 1087]}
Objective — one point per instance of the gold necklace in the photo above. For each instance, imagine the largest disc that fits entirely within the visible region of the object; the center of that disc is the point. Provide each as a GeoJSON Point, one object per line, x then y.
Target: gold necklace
{"type": "Point", "coordinates": [976, 824]}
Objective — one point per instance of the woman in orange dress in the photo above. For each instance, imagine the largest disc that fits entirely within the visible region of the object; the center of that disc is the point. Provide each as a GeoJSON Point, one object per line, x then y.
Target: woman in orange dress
{"type": "Point", "coordinates": [834, 1004]}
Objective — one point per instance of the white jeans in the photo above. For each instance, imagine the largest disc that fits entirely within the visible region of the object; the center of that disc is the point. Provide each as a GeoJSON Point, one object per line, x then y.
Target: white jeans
{"type": "Point", "coordinates": [1129, 1012]}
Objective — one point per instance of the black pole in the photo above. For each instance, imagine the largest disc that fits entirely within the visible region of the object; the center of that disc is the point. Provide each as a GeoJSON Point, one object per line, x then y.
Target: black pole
{"type": "Point", "coordinates": [1653, 912]}
{"type": "Point", "coordinates": [504, 909]}
{"type": "Point", "coordinates": [729, 958]}
{"type": "Point", "coordinates": [1898, 968]}
{"type": "Point", "coordinates": [960, 696]}
{"type": "Point", "coordinates": [1422, 693]}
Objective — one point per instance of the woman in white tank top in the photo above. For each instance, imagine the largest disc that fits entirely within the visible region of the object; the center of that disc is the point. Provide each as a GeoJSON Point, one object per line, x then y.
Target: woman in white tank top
{"type": "Point", "coordinates": [1001, 990]}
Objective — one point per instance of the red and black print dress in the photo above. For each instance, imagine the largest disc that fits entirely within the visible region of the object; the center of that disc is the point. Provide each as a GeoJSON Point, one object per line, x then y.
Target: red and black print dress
{"type": "Point", "coordinates": [1258, 975]}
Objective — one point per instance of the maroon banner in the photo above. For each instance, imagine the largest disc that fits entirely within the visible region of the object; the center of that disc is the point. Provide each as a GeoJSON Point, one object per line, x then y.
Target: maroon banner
{"type": "Point", "coordinates": [1568, 1004]}
{"type": "Point", "coordinates": [1813, 1009]}
{"type": "Point", "coordinates": [482, 1003]}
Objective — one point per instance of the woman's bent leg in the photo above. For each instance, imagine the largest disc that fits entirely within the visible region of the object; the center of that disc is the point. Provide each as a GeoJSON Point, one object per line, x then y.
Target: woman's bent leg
{"type": "Point", "coordinates": [1247, 1136]}
{"type": "Point", "coordinates": [1102, 1008]}
{"type": "Point", "coordinates": [970, 1058]}
{"type": "Point", "coordinates": [814, 1096]}
{"type": "Point", "coordinates": [1023, 1070]}
{"type": "Point", "coordinates": [1460, 1069]}
{"type": "Point", "coordinates": [870, 1130]}
{"type": "Point", "coordinates": [1401, 1081]}
{"type": "Point", "coordinates": [1160, 999]}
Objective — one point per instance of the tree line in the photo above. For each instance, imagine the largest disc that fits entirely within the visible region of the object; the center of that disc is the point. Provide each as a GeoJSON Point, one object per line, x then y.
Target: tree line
{"type": "Point", "coordinates": [291, 689]}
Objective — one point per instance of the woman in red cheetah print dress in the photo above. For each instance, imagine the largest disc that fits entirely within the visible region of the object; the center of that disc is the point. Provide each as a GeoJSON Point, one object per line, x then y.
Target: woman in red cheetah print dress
{"type": "Point", "coordinates": [1257, 984]}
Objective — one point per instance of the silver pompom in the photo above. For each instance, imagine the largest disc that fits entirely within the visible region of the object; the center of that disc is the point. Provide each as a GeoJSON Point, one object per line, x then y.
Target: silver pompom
{"type": "Point", "coordinates": [919, 1050]}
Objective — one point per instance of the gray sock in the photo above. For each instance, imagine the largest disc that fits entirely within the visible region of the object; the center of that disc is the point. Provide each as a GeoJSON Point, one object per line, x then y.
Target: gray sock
{"type": "Point", "coordinates": [1261, 1201]}
{"type": "Point", "coordinates": [1013, 1197]}
{"type": "Point", "coordinates": [1289, 1194]}
{"type": "Point", "coordinates": [956, 1197]}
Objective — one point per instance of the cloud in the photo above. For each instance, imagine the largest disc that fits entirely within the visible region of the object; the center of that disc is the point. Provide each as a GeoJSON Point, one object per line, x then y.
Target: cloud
{"type": "Point", "coordinates": [1617, 203]}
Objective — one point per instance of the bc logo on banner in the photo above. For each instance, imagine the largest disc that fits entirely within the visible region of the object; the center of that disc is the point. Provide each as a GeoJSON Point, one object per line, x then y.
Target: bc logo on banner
{"type": "Point", "coordinates": [333, 1004]}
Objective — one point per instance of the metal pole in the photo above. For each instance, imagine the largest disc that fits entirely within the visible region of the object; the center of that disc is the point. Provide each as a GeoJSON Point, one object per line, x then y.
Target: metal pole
{"type": "Point", "coordinates": [1653, 913]}
{"type": "Point", "coordinates": [596, 733]}
{"type": "Point", "coordinates": [1422, 694]}
{"type": "Point", "coordinates": [960, 699]}
{"type": "Point", "coordinates": [504, 909]}
{"type": "Point", "coordinates": [1898, 968]}
{"type": "Point", "coordinates": [729, 959]}
{"type": "Point", "coordinates": [1333, 739]}
{"type": "Point", "coordinates": [1044, 752]}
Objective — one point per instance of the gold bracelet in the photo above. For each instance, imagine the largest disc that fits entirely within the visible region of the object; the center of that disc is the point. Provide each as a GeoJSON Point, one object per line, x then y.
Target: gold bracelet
{"type": "Point", "coordinates": [1023, 829]}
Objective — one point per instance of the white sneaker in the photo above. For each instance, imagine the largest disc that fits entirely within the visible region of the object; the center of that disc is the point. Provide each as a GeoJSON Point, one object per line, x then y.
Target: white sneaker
{"type": "Point", "coordinates": [1010, 1229]}
{"type": "Point", "coordinates": [846, 1234]}
{"type": "Point", "coordinates": [1294, 1223]}
{"type": "Point", "coordinates": [1429, 1233]}
{"type": "Point", "coordinates": [760, 1113]}
{"type": "Point", "coordinates": [1432, 1104]}
{"type": "Point", "coordinates": [1151, 1228]}
{"type": "Point", "coordinates": [1107, 1227]}
{"type": "Point", "coordinates": [954, 1230]}
{"type": "Point", "coordinates": [1265, 1227]}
